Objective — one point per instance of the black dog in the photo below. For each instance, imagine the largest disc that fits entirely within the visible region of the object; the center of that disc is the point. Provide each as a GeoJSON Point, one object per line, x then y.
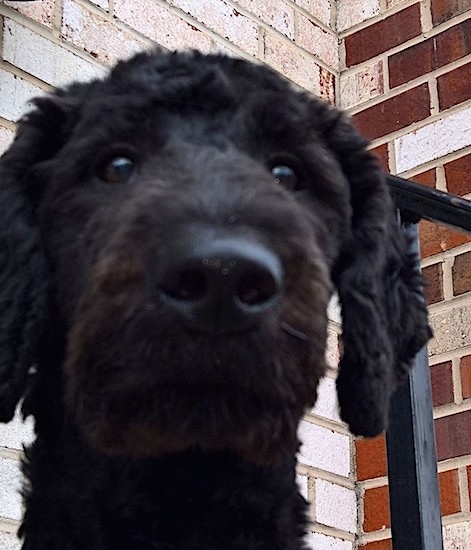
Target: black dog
{"type": "Point", "coordinates": [170, 238]}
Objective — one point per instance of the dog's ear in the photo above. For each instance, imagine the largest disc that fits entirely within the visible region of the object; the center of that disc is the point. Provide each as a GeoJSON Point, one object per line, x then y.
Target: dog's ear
{"type": "Point", "coordinates": [380, 290]}
{"type": "Point", "coordinates": [23, 266]}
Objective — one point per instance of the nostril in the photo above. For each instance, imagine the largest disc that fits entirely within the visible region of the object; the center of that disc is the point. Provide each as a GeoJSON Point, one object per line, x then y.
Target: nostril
{"type": "Point", "coordinates": [188, 285]}
{"type": "Point", "coordinates": [257, 289]}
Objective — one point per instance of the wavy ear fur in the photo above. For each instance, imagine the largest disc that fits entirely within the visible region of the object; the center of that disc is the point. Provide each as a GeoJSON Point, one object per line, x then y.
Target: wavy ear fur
{"type": "Point", "coordinates": [23, 266]}
{"type": "Point", "coordinates": [380, 291]}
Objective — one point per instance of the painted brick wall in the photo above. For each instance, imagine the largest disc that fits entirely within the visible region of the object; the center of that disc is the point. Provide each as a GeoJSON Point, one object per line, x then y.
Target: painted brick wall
{"type": "Point", "coordinates": [49, 42]}
{"type": "Point", "coordinates": [406, 79]}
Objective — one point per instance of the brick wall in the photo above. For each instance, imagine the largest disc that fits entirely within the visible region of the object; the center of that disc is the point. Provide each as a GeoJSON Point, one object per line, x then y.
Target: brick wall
{"type": "Point", "coordinates": [401, 68]}
{"type": "Point", "coordinates": [406, 80]}
{"type": "Point", "coordinates": [49, 42]}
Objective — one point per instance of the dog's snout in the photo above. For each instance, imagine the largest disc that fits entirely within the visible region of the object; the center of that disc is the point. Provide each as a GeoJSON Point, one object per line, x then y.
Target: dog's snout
{"type": "Point", "coordinates": [221, 285]}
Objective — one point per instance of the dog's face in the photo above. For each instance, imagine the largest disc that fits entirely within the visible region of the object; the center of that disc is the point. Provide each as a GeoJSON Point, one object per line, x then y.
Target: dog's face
{"type": "Point", "coordinates": [195, 212]}
{"type": "Point", "coordinates": [152, 189]}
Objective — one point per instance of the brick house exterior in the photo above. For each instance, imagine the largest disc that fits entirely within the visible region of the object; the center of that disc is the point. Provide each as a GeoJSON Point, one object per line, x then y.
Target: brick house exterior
{"type": "Point", "coordinates": [402, 70]}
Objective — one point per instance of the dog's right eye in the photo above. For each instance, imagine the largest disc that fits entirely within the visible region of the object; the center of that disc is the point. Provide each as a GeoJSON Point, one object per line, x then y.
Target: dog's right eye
{"type": "Point", "coordinates": [285, 176]}
{"type": "Point", "coordinates": [117, 170]}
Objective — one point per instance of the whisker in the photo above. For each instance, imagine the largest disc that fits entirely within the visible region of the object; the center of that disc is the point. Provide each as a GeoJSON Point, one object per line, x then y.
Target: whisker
{"type": "Point", "coordinates": [293, 332]}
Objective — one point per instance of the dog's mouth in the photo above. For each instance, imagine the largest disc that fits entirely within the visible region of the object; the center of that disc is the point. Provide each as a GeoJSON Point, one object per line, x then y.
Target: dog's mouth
{"type": "Point", "coordinates": [211, 419]}
{"type": "Point", "coordinates": [194, 391]}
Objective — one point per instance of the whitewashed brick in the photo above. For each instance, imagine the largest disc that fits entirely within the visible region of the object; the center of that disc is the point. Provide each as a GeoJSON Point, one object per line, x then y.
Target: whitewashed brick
{"type": "Point", "coordinates": [9, 542]}
{"type": "Point", "coordinates": [333, 311]}
{"type": "Point", "coordinates": [352, 12]}
{"type": "Point", "coordinates": [15, 93]}
{"type": "Point", "coordinates": [433, 141]}
{"type": "Point", "coordinates": [61, 67]}
{"type": "Point", "coordinates": [16, 433]}
{"type": "Point", "coordinates": [161, 25]}
{"type": "Point", "coordinates": [293, 63]}
{"type": "Point", "coordinates": [318, 541]}
{"type": "Point", "coordinates": [320, 9]}
{"type": "Point", "coordinates": [391, 3]}
{"type": "Point", "coordinates": [10, 482]}
{"type": "Point", "coordinates": [332, 353]}
{"type": "Point", "coordinates": [327, 85]}
{"type": "Point", "coordinates": [223, 48]}
{"type": "Point", "coordinates": [225, 21]}
{"type": "Point", "coordinates": [324, 45]}
{"type": "Point", "coordinates": [6, 139]}
{"type": "Point", "coordinates": [103, 4]}
{"type": "Point", "coordinates": [336, 506]}
{"type": "Point", "coordinates": [327, 404]}
{"type": "Point", "coordinates": [457, 536]}
{"type": "Point", "coordinates": [451, 330]}
{"type": "Point", "coordinates": [42, 12]}
{"type": "Point", "coordinates": [302, 481]}
{"type": "Point", "coordinates": [95, 35]}
{"type": "Point", "coordinates": [274, 12]}
{"type": "Point", "coordinates": [324, 449]}
{"type": "Point", "coordinates": [362, 85]}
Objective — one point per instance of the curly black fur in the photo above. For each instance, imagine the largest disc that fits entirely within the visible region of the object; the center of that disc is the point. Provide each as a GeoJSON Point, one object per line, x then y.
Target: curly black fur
{"type": "Point", "coordinates": [151, 435]}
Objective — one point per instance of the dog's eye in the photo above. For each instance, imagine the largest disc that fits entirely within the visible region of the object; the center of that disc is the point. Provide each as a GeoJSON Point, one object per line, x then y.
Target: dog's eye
{"type": "Point", "coordinates": [118, 170]}
{"type": "Point", "coordinates": [285, 176]}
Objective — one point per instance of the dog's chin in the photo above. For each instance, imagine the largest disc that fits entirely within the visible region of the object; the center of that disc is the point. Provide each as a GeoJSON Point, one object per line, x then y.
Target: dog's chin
{"type": "Point", "coordinates": [151, 390]}
{"type": "Point", "coordinates": [145, 442]}
{"type": "Point", "coordinates": [262, 434]}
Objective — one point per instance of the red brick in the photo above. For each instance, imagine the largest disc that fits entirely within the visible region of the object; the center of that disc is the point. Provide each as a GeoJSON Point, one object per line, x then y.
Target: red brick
{"type": "Point", "coordinates": [371, 458]}
{"type": "Point", "coordinates": [449, 492]}
{"type": "Point", "coordinates": [394, 113]}
{"type": "Point", "coordinates": [442, 10]}
{"type": "Point", "coordinates": [457, 175]}
{"type": "Point", "coordinates": [442, 383]}
{"type": "Point", "coordinates": [383, 155]}
{"type": "Point", "coordinates": [433, 276]}
{"type": "Point", "coordinates": [468, 469]}
{"type": "Point", "coordinates": [453, 435]}
{"type": "Point", "coordinates": [454, 87]}
{"type": "Point", "coordinates": [465, 370]}
{"type": "Point", "coordinates": [461, 273]}
{"type": "Point", "coordinates": [428, 178]}
{"type": "Point", "coordinates": [376, 509]}
{"type": "Point", "coordinates": [435, 238]}
{"type": "Point", "coordinates": [432, 54]}
{"type": "Point", "coordinates": [382, 36]}
{"type": "Point", "coordinates": [378, 545]}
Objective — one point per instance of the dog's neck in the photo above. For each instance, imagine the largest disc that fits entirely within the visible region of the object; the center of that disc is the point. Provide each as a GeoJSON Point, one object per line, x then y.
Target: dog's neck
{"type": "Point", "coordinates": [185, 501]}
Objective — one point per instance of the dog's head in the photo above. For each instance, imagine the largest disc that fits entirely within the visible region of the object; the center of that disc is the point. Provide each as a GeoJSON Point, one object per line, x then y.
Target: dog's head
{"type": "Point", "coordinates": [186, 219]}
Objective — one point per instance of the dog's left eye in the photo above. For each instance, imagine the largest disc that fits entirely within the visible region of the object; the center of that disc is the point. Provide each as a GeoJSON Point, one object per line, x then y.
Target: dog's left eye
{"type": "Point", "coordinates": [285, 176]}
{"type": "Point", "coordinates": [118, 170]}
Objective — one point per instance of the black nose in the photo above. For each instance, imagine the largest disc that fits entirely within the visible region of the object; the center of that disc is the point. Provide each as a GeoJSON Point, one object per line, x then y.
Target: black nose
{"type": "Point", "coordinates": [221, 285]}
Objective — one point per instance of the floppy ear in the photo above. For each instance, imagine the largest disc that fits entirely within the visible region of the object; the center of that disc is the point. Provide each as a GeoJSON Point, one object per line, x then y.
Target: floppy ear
{"type": "Point", "coordinates": [23, 266]}
{"type": "Point", "coordinates": [380, 290]}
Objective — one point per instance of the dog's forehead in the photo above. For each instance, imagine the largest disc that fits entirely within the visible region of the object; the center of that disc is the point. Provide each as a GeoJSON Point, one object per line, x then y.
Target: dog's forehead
{"type": "Point", "coordinates": [185, 82]}
{"type": "Point", "coordinates": [181, 72]}
{"type": "Point", "coordinates": [165, 94]}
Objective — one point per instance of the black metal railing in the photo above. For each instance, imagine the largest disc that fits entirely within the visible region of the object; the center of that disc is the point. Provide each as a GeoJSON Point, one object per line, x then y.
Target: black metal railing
{"type": "Point", "coordinates": [412, 459]}
{"type": "Point", "coordinates": [417, 202]}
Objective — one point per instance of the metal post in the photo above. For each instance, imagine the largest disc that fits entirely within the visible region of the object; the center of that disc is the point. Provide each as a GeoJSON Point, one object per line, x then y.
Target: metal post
{"type": "Point", "coordinates": [412, 461]}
